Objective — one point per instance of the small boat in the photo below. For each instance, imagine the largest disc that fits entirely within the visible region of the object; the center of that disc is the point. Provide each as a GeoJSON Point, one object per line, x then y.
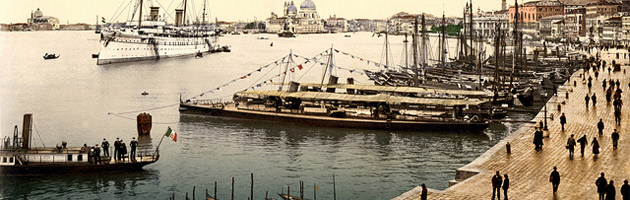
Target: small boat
{"type": "Point", "coordinates": [347, 35]}
{"type": "Point", "coordinates": [289, 197]}
{"type": "Point", "coordinates": [263, 38]}
{"type": "Point", "coordinates": [145, 93]}
{"type": "Point", "coordinates": [226, 49]}
{"type": "Point", "coordinates": [50, 56]}
{"type": "Point", "coordinates": [199, 55]}
{"type": "Point", "coordinates": [95, 55]}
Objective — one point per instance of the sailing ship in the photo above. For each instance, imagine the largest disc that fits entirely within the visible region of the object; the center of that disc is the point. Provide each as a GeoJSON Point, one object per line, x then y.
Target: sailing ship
{"type": "Point", "coordinates": [17, 157]}
{"type": "Point", "coordinates": [154, 39]}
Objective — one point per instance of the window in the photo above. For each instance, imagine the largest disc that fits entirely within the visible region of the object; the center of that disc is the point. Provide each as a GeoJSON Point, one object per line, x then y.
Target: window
{"type": "Point", "coordinates": [4, 159]}
{"type": "Point", "coordinates": [80, 157]}
{"type": "Point", "coordinates": [11, 160]}
{"type": "Point", "coordinates": [69, 157]}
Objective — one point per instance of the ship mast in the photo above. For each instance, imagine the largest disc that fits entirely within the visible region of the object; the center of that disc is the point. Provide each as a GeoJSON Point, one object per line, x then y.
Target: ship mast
{"type": "Point", "coordinates": [203, 18]}
{"type": "Point", "coordinates": [140, 16]}
{"type": "Point", "coordinates": [415, 51]}
{"type": "Point", "coordinates": [184, 17]}
{"type": "Point", "coordinates": [443, 44]}
{"type": "Point", "coordinates": [515, 35]}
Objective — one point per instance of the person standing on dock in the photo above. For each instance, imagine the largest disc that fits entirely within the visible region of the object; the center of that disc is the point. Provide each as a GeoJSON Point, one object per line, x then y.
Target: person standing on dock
{"type": "Point", "coordinates": [506, 186]}
{"type": "Point", "coordinates": [424, 194]}
{"type": "Point", "coordinates": [571, 146]}
{"type": "Point", "coordinates": [563, 120]}
{"type": "Point", "coordinates": [594, 99]}
{"type": "Point", "coordinates": [587, 98]}
{"type": "Point", "coordinates": [604, 84]}
{"type": "Point", "coordinates": [600, 127]}
{"type": "Point", "coordinates": [496, 185]}
{"type": "Point", "coordinates": [133, 144]}
{"type": "Point", "coordinates": [610, 191]}
{"type": "Point", "coordinates": [554, 178]}
{"type": "Point", "coordinates": [105, 145]}
{"type": "Point", "coordinates": [601, 186]}
{"type": "Point", "coordinates": [117, 149]}
{"type": "Point", "coordinates": [583, 142]}
{"type": "Point", "coordinates": [625, 190]}
{"type": "Point", "coordinates": [615, 139]}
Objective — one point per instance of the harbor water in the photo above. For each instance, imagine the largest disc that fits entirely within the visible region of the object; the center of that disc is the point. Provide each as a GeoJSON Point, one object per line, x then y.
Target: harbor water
{"type": "Point", "coordinates": [73, 99]}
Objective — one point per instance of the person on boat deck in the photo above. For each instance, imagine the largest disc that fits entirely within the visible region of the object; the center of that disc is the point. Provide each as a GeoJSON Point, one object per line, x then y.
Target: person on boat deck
{"type": "Point", "coordinates": [105, 146]}
{"type": "Point", "coordinates": [116, 149]}
{"type": "Point", "coordinates": [123, 150]}
{"type": "Point", "coordinates": [97, 155]}
{"type": "Point", "coordinates": [133, 144]}
{"type": "Point", "coordinates": [91, 155]}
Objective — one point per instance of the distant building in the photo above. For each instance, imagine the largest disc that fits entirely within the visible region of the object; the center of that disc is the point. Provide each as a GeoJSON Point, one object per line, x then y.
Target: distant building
{"type": "Point", "coordinates": [612, 31]}
{"type": "Point", "coordinates": [485, 23]}
{"type": "Point", "coordinates": [306, 20]}
{"type": "Point", "coordinates": [625, 21]}
{"type": "Point", "coordinates": [575, 21]}
{"type": "Point", "coordinates": [530, 14]}
{"type": "Point", "coordinates": [551, 26]}
{"type": "Point", "coordinates": [40, 22]}
{"type": "Point", "coordinates": [336, 25]}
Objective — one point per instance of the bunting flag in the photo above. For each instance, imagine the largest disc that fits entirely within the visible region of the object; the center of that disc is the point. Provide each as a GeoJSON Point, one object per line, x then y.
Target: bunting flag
{"type": "Point", "coordinates": [243, 77]}
{"type": "Point", "coordinates": [300, 66]}
{"type": "Point", "coordinates": [292, 69]}
{"type": "Point", "coordinates": [103, 20]}
{"type": "Point", "coordinates": [171, 134]}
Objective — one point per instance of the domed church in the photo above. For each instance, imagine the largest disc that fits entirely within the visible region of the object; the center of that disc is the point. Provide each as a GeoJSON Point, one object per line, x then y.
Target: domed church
{"type": "Point", "coordinates": [306, 20]}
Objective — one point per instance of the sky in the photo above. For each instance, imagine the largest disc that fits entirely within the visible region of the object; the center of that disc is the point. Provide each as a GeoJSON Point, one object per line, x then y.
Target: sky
{"type": "Point", "coordinates": [85, 11]}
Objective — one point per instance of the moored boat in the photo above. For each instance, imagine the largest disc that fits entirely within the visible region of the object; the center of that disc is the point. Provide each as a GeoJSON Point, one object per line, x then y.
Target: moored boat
{"type": "Point", "coordinates": [19, 158]}
{"type": "Point", "coordinates": [50, 56]}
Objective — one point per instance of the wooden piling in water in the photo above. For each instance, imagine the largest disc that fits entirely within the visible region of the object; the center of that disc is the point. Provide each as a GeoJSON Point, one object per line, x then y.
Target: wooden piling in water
{"type": "Point", "coordinates": [251, 192]}
{"type": "Point", "coordinates": [193, 192]}
{"type": "Point", "coordinates": [314, 192]}
{"type": "Point", "coordinates": [215, 190]}
{"type": "Point", "coordinates": [232, 188]}
{"type": "Point", "coordinates": [334, 189]}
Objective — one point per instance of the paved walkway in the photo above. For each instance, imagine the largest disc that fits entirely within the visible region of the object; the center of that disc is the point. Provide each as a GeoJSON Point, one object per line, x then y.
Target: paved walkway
{"type": "Point", "coordinates": [529, 170]}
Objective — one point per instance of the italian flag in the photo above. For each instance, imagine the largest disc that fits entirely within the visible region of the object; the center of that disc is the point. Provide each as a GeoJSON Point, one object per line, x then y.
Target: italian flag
{"type": "Point", "coordinates": [171, 134]}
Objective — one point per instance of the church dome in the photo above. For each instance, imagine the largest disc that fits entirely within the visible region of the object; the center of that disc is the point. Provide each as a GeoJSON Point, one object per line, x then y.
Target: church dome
{"type": "Point", "coordinates": [38, 13]}
{"type": "Point", "coordinates": [308, 4]}
{"type": "Point", "coordinates": [292, 8]}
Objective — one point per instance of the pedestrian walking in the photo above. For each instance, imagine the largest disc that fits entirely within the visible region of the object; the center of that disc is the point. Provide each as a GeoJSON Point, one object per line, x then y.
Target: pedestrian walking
{"type": "Point", "coordinates": [601, 184]}
{"type": "Point", "coordinates": [538, 139]}
{"type": "Point", "coordinates": [105, 145]}
{"type": "Point", "coordinates": [496, 185]}
{"type": "Point", "coordinates": [117, 149]}
{"type": "Point", "coordinates": [506, 186]}
{"type": "Point", "coordinates": [625, 190]}
{"type": "Point", "coordinates": [615, 139]}
{"type": "Point", "coordinates": [554, 178]}
{"type": "Point", "coordinates": [587, 98]}
{"type": "Point", "coordinates": [424, 194]}
{"type": "Point", "coordinates": [563, 120]}
{"type": "Point", "coordinates": [594, 99]}
{"type": "Point", "coordinates": [604, 84]}
{"type": "Point", "coordinates": [617, 116]}
{"type": "Point", "coordinates": [595, 147]}
{"type": "Point", "coordinates": [571, 146]}
{"type": "Point", "coordinates": [600, 127]}
{"type": "Point", "coordinates": [610, 191]}
{"type": "Point", "coordinates": [583, 142]}
{"type": "Point", "coordinates": [133, 144]}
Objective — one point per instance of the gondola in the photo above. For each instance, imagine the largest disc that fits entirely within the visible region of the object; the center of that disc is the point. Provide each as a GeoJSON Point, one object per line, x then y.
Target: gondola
{"type": "Point", "coordinates": [50, 56]}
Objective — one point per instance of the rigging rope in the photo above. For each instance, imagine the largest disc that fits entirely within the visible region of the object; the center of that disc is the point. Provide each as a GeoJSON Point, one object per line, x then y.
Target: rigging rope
{"type": "Point", "coordinates": [154, 108]}
{"type": "Point", "coordinates": [40, 137]}
{"type": "Point", "coordinates": [134, 119]}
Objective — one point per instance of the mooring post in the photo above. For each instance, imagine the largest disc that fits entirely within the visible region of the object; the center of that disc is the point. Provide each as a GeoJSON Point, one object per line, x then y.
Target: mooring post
{"type": "Point", "coordinates": [334, 189]}
{"type": "Point", "coordinates": [251, 192]}
{"type": "Point", "coordinates": [232, 188]}
{"type": "Point", "coordinates": [193, 192]}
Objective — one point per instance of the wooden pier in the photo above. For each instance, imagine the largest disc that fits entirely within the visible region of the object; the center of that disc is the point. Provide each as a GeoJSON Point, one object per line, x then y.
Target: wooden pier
{"type": "Point", "coordinates": [529, 170]}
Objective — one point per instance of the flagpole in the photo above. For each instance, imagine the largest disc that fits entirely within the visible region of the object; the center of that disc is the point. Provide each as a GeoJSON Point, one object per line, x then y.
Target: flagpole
{"type": "Point", "coordinates": [158, 146]}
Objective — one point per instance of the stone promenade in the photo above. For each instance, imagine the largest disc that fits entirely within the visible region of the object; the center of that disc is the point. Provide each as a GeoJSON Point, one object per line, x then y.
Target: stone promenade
{"type": "Point", "coordinates": [529, 170]}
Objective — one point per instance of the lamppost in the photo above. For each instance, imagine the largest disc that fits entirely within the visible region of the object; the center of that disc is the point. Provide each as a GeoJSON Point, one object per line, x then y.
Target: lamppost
{"type": "Point", "coordinates": [545, 128]}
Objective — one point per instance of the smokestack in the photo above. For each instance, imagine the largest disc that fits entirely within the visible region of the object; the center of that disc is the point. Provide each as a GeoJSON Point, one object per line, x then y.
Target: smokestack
{"type": "Point", "coordinates": [154, 13]}
{"type": "Point", "coordinates": [26, 130]}
{"type": "Point", "coordinates": [178, 17]}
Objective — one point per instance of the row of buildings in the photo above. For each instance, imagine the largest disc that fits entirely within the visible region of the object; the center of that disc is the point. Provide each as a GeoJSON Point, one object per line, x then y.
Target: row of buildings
{"type": "Point", "coordinates": [600, 21]}
{"type": "Point", "coordinates": [38, 22]}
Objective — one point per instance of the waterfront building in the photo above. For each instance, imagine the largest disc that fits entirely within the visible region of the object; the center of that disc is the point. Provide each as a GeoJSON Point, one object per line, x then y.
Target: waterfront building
{"type": "Point", "coordinates": [364, 25]}
{"type": "Point", "coordinates": [575, 23]}
{"type": "Point", "coordinates": [625, 21]}
{"type": "Point", "coordinates": [531, 12]}
{"type": "Point", "coordinates": [596, 15]}
{"type": "Point", "coordinates": [485, 23]}
{"type": "Point", "coordinates": [306, 20]}
{"type": "Point", "coordinates": [336, 25]}
{"type": "Point", "coordinates": [552, 26]}
{"type": "Point", "coordinates": [379, 25]}
{"type": "Point", "coordinates": [38, 21]}
{"type": "Point", "coordinates": [612, 31]}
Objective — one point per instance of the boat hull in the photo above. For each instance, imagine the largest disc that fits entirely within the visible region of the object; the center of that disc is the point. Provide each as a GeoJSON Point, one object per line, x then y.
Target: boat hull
{"type": "Point", "coordinates": [67, 168]}
{"type": "Point", "coordinates": [421, 126]}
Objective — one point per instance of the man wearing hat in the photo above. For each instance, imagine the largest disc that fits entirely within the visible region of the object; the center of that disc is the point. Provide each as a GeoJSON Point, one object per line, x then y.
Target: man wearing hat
{"type": "Point", "coordinates": [97, 155]}
{"type": "Point", "coordinates": [117, 149]}
{"type": "Point", "coordinates": [133, 144]}
{"type": "Point", "coordinates": [105, 146]}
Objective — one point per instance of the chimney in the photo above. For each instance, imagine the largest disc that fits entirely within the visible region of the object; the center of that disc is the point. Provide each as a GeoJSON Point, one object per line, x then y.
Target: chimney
{"type": "Point", "coordinates": [26, 130]}
{"type": "Point", "coordinates": [332, 81]}
{"type": "Point", "coordinates": [178, 17]}
{"type": "Point", "coordinates": [154, 13]}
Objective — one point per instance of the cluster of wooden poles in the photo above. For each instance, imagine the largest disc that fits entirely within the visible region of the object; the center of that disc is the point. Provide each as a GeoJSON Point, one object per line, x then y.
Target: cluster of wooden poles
{"type": "Point", "coordinates": [286, 196]}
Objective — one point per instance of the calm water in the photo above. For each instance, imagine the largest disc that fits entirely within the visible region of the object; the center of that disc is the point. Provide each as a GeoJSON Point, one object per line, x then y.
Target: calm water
{"type": "Point", "coordinates": [71, 97]}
